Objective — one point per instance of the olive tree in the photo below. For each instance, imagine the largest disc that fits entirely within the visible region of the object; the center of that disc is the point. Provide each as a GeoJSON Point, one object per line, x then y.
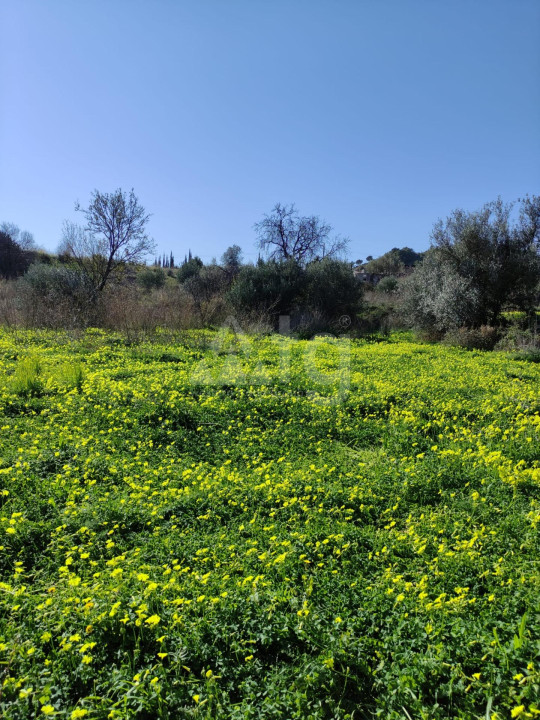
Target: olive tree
{"type": "Point", "coordinates": [478, 264]}
{"type": "Point", "coordinates": [232, 259]}
{"type": "Point", "coordinates": [268, 288]}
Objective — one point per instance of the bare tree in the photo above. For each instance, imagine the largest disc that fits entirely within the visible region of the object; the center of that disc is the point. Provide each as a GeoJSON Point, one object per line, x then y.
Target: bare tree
{"type": "Point", "coordinates": [26, 240]}
{"type": "Point", "coordinates": [114, 235]}
{"type": "Point", "coordinates": [23, 238]}
{"type": "Point", "coordinates": [284, 235]}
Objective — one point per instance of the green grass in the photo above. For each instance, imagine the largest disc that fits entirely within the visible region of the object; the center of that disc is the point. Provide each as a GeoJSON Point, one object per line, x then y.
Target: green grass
{"type": "Point", "coordinates": [212, 526]}
{"type": "Point", "coordinates": [26, 379]}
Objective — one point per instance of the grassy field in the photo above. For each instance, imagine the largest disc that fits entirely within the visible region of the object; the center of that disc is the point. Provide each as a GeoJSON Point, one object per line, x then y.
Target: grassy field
{"type": "Point", "coordinates": [217, 527]}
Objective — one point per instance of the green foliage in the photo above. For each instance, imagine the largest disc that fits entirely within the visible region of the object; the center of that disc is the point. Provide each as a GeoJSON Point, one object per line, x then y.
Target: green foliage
{"type": "Point", "coordinates": [232, 258]}
{"type": "Point", "coordinates": [479, 263]}
{"type": "Point", "coordinates": [14, 260]}
{"type": "Point", "coordinates": [205, 527]}
{"type": "Point", "coordinates": [437, 297]}
{"type": "Point", "coordinates": [393, 262]}
{"type": "Point", "coordinates": [48, 290]}
{"type": "Point", "coordinates": [387, 285]}
{"type": "Point", "coordinates": [73, 375]}
{"type": "Point", "coordinates": [190, 268]}
{"type": "Point", "coordinates": [207, 287]}
{"type": "Point", "coordinates": [26, 380]}
{"type": "Point", "coordinates": [373, 319]}
{"type": "Point", "coordinates": [269, 287]}
{"type": "Point", "coordinates": [324, 289]}
{"type": "Point", "coordinates": [331, 289]}
{"type": "Point", "coordinates": [54, 281]}
{"type": "Point", "coordinates": [482, 338]}
{"type": "Point", "coordinates": [151, 279]}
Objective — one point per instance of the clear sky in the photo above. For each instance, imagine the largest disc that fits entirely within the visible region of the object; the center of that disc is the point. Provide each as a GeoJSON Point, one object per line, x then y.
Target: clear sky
{"type": "Point", "coordinates": [379, 116]}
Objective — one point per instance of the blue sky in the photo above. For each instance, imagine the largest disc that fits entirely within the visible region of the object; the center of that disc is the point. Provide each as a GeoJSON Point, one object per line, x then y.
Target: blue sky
{"type": "Point", "coordinates": [379, 116]}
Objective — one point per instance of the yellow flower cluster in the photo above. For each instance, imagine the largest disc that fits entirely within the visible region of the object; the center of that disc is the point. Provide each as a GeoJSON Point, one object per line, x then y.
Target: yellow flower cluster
{"type": "Point", "coordinates": [199, 524]}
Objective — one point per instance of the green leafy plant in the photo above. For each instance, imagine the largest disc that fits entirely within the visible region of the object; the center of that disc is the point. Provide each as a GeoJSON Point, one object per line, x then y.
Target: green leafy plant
{"type": "Point", "coordinates": [26, 380]}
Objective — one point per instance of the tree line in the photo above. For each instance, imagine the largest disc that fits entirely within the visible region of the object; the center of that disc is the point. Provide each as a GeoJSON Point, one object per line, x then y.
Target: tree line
{"type": "Point", "coordinates": [479, 265]}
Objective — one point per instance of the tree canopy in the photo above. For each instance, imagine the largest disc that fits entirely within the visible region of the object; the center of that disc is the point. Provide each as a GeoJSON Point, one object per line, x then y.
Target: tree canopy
{"type": "Point", "coordinates": [14, 260]}
{"type": "Point", "coordinates": [478, 263]}
{"type": "Point", "coordinates": [114, 235]}
{"type": "Point", "coordinates": [285, 235]}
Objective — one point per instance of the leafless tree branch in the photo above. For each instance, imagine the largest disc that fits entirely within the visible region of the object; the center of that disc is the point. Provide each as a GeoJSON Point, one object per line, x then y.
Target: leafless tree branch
{"type": "Point", "coordinates": [114, 236]}
{"type": "Point", "coordinates": [284, 235]}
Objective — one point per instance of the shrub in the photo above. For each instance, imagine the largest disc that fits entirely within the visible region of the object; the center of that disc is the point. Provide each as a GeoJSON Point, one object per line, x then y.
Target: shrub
{"type": "Point", "coordinates": [331, 290]}
{"type": "Point", "coordinates": [387, 285]}
{"type": "Point", "coordinates": [269, 288]}
{"type": "Point", "coordinates": [125, 308]}
{"type": "Point", "coordinates": [308, 325]}
{"type": "Point", "coordinates": [438, 298]}
{"type": "Point", "coordinates": [373, 319]}
{"type": "Point", "coordinates": [9, 314]}
{"type": "Point", "coordinates": [316, 296]}
{"type": "Point", "coordinates": [207, 290]}
{"type": "Point", "coordinates": [56, 296]}
{"type": "Point", "coordinates": [189, 269]}
{"type": "Point", "coordinates": [394, 261]}
{"type": "Point", "coordinates": [482, 338]}
{"type": "Point", "coordinates": [151, 279]}
{"type": "Point", "coordinates": [517, 338]}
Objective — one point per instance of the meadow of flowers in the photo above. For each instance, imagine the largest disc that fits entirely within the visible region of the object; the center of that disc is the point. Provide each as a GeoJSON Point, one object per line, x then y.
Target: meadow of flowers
{"type": "Point", "coordinates": [209, 526]}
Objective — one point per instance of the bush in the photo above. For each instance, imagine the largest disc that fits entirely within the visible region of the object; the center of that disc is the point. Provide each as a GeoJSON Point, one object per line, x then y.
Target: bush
{"type": "Point", "coordinates": [125, 308]}
{"type": "Point", "coordinates": [56, 296]}
{"type": "Point", "coordinates": [482, 338]}
{"type": "Point", "coordinates": [208, 289]}
{"type": "Point", "coordinates": [316, 296]}
{"type": "Point", "coordinates": [151, 279]}
{"type": "Point", "coordinates": [516, 338]}
{"type": "Point", "coordinates": [394, 261]}
{"type": "Point", "coordinates": [438, 298]}
{"type": "Point", "coordinates": [331, 290]}
{"type": "Point", "coordinates": [190, 268]}
{"type": "Point", "coordinates": [374, 319]}
{"type": "Point", "coordinates": [9, 314]}
{"type": "Point", "coordinates": [387, 285]}
{"type": "Point", "coordinates": [307, 325]}
{"type": "Point", "coordinates": [269, 288]}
